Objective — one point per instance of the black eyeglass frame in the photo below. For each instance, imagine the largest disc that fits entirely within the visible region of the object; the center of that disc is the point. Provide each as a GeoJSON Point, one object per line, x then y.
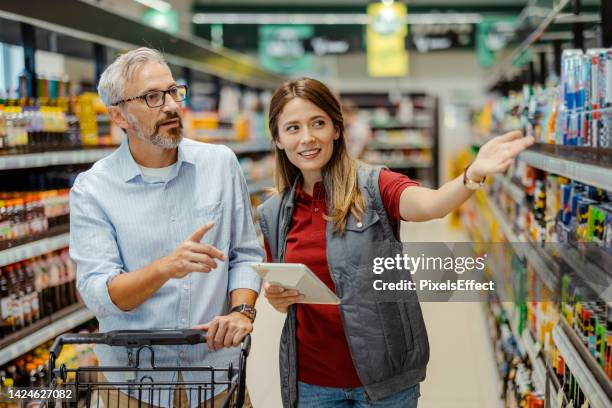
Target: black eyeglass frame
{"type": "Point", "coordinates": [163, 100]}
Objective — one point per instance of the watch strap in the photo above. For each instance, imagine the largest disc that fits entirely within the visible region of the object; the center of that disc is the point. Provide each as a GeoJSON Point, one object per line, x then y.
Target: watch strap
{"type": "Point", "coordinates": [247, 310]}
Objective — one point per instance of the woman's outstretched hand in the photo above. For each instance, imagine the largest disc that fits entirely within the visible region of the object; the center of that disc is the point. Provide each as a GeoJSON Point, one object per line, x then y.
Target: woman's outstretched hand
{"type": "Point", "coordinates": [497, 154]}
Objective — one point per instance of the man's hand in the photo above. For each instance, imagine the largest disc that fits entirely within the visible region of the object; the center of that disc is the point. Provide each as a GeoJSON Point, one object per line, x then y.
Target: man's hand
{"type": "Point", "coordinates": [281, 298]}
{"type": "Point", "coordinates": [226, 331]}
{"type": "Point", "coordinates": [191, 256]}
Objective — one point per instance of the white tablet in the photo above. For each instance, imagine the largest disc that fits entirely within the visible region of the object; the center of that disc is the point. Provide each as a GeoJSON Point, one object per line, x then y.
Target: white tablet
{"type": "Point", "coordinates": [299, 277]}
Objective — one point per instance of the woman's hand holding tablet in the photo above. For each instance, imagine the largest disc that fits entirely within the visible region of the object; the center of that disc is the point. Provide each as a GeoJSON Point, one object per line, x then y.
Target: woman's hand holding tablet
{"type": "Point", "coordinates": [286, 284]}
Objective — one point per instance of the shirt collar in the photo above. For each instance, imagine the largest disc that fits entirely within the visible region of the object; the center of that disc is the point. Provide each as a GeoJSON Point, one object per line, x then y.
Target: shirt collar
{"type": "Point", "coordinates": [317, 194]}
{"type": "Point", "coordinates": [131, 170]}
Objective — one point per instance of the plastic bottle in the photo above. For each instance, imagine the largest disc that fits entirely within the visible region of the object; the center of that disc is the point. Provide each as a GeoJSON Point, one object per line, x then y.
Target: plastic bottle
{"type": "Point", "coordinates": [26, 306]}
{"type": "Point", "coordinates": [31, 291]}
{"type": "Point", "coordinates": [2, 126]}
{"type": "Point", "coordinates": [6, 310]}
{"type": "Point", "coordinates": [15, 298]}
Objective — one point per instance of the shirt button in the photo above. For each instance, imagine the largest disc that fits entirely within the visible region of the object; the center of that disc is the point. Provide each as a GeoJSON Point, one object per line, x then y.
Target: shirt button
{"type": "Point", "coordinates": [359, 225]}
{"type": "Point", "coordinates": [183, 321]}
{"type": "Point", "coordinates": [181, 354]}
{"type": "Point", "coordinates": [316, 210]}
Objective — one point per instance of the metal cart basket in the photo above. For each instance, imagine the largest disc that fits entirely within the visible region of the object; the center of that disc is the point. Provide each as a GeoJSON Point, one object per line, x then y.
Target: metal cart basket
{"type": "Point", "coordinates": [140, 390]}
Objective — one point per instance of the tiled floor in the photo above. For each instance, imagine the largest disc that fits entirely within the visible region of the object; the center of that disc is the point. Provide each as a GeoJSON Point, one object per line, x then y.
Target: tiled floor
{"type": "Point", "coordinates": [461, 371]}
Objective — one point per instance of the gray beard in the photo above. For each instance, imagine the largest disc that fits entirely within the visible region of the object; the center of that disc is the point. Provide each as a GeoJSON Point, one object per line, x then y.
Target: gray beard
{"type": "Point", "coordinates": [165, 142]}
{"type": "Point", "coordinates": [170, 142]}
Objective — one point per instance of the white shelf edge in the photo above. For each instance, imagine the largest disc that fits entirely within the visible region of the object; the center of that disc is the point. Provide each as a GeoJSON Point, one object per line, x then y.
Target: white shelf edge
{"type": "Point", "coordinates": [589, 385]}
{"type": "Point", "coordinates": [524, 248]}
{"type": "Point", "coordinates": [515, 192]}
{"type": "Point", "coordinates": [37, 338]}
{"type": "Point", "coordinates": [389, 146]}
{"type": "Point", "coordinates": [241, 148]}
{"type": "Point", "coordinates": [31, 160]}
{"type": "Point", "coordinates": [538, 364]}
{"type": "Point", "coordinates": [595, 176]}
{"type": "Point", "coordinates": [32, 249]}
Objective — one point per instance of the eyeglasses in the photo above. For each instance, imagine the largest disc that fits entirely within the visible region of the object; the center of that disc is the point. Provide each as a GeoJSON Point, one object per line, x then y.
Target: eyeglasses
{"type": "Point", "coordinates": [155, 99]}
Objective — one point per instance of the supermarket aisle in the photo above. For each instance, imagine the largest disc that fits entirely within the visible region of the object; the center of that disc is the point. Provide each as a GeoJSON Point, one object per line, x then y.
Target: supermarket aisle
{"type": "Point", "coordinates": [458, 375]}
{"type": "Point", "coordinates": [461, 371]}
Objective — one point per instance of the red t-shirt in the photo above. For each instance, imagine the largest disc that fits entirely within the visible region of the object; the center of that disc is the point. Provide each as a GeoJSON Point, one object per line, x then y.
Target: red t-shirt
{"type": "Point", "coordinates": [324, 358]}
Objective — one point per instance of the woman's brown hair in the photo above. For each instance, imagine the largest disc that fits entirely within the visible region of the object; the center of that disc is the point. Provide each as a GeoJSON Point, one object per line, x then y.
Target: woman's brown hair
{"type": "Point", "coordinates": [340, 173]}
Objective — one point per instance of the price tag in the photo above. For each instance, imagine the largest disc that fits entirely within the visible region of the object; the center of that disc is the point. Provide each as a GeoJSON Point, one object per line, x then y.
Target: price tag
{"type": "Point", "coordinates": [570, 405]}
{"type": "Point", "coordinates": [586, 404]}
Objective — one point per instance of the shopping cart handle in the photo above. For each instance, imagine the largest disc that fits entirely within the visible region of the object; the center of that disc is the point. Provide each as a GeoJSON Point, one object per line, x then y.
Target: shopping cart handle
{"type": "Point", "coordinates": [131, 338]}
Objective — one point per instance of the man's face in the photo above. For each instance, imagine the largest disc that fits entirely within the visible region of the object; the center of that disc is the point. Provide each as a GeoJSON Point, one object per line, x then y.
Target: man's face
{"type": "Point", "coordinates": [162, 126]}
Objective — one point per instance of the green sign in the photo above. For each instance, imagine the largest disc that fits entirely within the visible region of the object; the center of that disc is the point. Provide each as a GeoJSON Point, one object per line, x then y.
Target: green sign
{"type": "Point", "coordinates": [493, 35]}
{"type": "Point", "coordinates": [281, 48]}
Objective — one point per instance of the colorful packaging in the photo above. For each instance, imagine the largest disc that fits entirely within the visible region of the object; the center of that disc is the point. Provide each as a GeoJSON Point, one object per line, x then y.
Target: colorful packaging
{"type": "Point", "coordinates": [597, 219]}
{"type": "Point", "coordinates": [582, 218]}
{"type": "Point", "coordinates": [566, 204]}
{"type": "Point", "coordinates": [608, 229]}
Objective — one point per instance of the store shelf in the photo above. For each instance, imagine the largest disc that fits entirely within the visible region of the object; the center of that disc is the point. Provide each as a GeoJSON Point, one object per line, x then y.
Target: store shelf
{"type": "Point", "coordinates": [505, 225]}
{"type": "Point", "coordinates": [25, 161]}
{"type": "Point", "coordinates": [542, 262]}
{"type": "Point", "coordinates": [260, 186]}
{"type": "Point", "coordinates": [32, 249]}
{"type": "Point", "coordinates": [517, 194]}
{"type": "Point", "coordinates": [583, 374]}
{"type": "Point", "coordinates": [246, 148]}
{"type": "Point", "coordinates": [420, 124]}
{"type": "Point", "coordinates": [596, 278]}
{"type": "Point", "coordinates": [127, 33]}
{"type": "Point", "coordinates": [399, 146]}
{"type": "Point", "coordinates": [588, 359]}
{"type": "Point", "coordinates": [539, 368]}
{"type": "Point", "coordinates": [47, 329]}
{"type": "Point", "coordinates": [596, 176]}
{"type": "Point", "coordinates": [506, 63]}
{"type": "Point", "coordinates": [527, 347]}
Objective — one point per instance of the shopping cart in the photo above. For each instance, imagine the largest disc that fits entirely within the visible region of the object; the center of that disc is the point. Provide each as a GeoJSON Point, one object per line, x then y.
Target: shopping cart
{"type": "Point", "coordinates": [93, 390]}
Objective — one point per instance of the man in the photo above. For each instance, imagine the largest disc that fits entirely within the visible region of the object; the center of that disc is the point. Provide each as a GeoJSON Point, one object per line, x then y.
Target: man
{"type": "Point", "coordinates": [161, 230]}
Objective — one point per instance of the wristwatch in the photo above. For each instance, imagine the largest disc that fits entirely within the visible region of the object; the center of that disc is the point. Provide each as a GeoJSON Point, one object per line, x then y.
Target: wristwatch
{"type": "Point", "coordinates": [471, 184]}
{"type": "Point", "coordinates": [247, 310]}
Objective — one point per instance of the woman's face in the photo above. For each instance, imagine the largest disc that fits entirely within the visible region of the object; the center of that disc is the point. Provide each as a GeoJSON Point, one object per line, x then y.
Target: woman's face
{"type": "Point", "coordinates": [306, 133]}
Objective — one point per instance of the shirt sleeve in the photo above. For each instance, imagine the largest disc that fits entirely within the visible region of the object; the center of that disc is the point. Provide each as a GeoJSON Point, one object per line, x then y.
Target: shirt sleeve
{"type": "Point", "coordinates": [392, 185]}
{"type": "Point", "coordinates": [244, 246]}
{"type": "Point", "coordinates": [93, 246]}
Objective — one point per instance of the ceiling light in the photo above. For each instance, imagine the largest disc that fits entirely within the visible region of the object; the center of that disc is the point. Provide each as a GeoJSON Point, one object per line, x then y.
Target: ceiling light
{"type": "Point", "coordinates": [159, 5]}
{"type": "Point", "coordinates": [330, 19]}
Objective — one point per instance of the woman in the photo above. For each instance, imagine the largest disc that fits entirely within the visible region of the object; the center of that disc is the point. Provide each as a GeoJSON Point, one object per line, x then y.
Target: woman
{"type": "Point", "coordinates": [327, 210]}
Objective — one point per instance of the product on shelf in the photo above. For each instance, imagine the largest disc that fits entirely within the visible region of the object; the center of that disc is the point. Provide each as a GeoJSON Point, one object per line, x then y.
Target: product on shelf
{"type": "Point", "coordinates": [32, 368]}
{"type": "Point", "coordinates": [257, 169]}
{"type": "Point", "coordinates": [61, 122]}
{"type": "Point", "coordinates": [36, 288]}
{"type": "Point", "coordinates": [25, 214]}
{"type": "Point", "coordinates": [578, 112]}
{"type": "Point", "coordinates": [516, 369]}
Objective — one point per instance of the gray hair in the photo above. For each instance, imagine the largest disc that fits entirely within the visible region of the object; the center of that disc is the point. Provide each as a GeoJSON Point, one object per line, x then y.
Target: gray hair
{"type": "Point", "coordinates": [121, 71]}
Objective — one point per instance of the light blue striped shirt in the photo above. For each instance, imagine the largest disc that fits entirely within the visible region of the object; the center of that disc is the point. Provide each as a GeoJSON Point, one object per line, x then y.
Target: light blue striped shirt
{"type": "Point", "coordinates": [122, 220]}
